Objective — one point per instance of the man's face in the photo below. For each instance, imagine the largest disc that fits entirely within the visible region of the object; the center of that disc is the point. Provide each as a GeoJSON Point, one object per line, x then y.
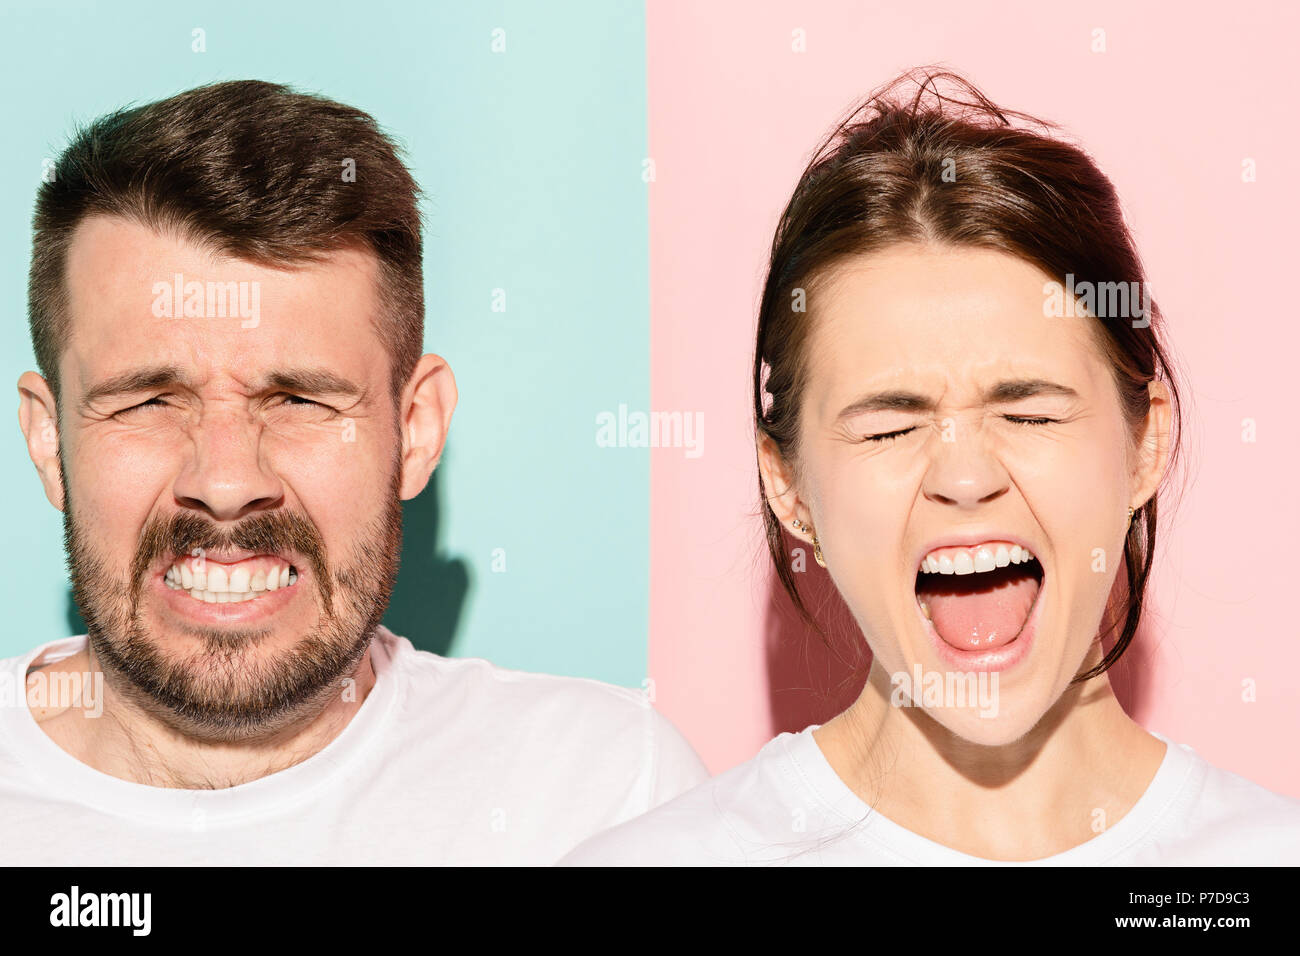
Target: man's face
{"type": "Point", "coordinates": [202, 452]}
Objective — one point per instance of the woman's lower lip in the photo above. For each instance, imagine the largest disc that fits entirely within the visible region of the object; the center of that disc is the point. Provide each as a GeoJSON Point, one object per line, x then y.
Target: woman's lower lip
{"type": "Point", "coordinates": [179, 602]}
{"type": "Point", "coordinates": [998, 659]}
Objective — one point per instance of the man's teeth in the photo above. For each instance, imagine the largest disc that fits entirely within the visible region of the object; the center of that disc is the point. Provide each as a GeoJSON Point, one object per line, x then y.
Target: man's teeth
{"type": "Point", "coordinates": [215, 585]}
{"type": "Point", "coordinates": [974, 560]}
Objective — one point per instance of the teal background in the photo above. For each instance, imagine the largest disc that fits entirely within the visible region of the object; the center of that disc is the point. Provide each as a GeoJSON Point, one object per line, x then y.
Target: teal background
{"type": "Point", "coordinates": [530, 161]}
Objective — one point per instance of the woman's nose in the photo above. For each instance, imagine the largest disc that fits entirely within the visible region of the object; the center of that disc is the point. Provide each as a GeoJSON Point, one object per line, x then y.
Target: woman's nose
{"type": "Point", "coordinates": [964, 472]}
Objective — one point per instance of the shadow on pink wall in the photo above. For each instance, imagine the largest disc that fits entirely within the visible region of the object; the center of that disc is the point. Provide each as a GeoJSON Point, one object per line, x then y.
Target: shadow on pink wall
{"type": "Point", "coordinates": [812, 677]}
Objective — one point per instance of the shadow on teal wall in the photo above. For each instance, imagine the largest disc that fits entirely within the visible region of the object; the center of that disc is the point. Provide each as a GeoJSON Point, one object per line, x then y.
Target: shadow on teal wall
{"type": "Point", "coordinates": [76, 623]}
{"type": "Point", "coordinates": [431, 587]}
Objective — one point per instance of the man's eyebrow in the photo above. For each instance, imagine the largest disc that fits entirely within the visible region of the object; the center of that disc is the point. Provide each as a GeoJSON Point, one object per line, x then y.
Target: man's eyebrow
{"type": "Point", "coordinates": [1010, 390]}
{"type": "Point", "coordinates": [313, 381]}
{"type": "Point", "coordinates": [138, 380]}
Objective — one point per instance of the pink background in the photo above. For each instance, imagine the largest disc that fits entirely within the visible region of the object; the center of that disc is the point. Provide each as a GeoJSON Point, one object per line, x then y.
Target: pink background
{"type": "Point", "coordinates": [1181, 96]}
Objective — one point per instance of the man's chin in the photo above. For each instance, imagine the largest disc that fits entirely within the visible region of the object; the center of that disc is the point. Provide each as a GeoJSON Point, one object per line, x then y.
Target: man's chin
{"type": "Point", "coordinates": [230, 684]}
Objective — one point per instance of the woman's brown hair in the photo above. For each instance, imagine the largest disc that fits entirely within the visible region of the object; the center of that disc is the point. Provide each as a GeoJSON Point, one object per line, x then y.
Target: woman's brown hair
{"type": "Point", "coordinates": [941, 164]}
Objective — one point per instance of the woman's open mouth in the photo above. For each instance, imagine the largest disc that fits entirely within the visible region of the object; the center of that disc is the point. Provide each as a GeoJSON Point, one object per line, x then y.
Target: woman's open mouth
{"type": "Point", "coordinates": [978, 600]}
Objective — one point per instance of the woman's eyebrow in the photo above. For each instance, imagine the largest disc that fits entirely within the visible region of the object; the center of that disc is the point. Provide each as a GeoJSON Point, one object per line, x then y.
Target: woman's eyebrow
{"type": "Point", "coordinates": [1008, 390]}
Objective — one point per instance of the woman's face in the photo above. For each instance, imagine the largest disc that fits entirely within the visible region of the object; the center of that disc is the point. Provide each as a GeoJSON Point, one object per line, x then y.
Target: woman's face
{"type": "Point", "coordinates": [1007, 432]}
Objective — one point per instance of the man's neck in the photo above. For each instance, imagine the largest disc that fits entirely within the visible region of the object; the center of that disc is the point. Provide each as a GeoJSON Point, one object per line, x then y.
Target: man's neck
{"type": "Point", "coordinates": [129, 742]}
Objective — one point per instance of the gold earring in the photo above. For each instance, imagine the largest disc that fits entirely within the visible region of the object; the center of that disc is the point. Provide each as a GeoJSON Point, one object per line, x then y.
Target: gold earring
{"type": "Point", "coordinates": [817, 547]}
{"type": "Point", "coordinates": [1130, 515]}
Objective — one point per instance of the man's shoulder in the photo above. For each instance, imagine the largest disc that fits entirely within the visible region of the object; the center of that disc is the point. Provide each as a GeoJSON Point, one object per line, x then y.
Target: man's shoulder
{"type": "Point", "coordinates": [500, 686]}
{"type": "Point", "coordinates": [726, 820]}
{"type": "Point", "coordinates": [550, 726]}
{"type": "Point", "coordinates": [525, 709]}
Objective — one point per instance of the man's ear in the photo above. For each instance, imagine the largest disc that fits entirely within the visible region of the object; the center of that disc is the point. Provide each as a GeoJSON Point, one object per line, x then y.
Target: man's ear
{"type": "Point", "coordinates": [38, 417]}
{"type": "Point", "coordinates": [427, 403]}
{"type": "Point", "coordinates": [1153, 445]}
{"type": "Point", "coordinates": [779, 488]}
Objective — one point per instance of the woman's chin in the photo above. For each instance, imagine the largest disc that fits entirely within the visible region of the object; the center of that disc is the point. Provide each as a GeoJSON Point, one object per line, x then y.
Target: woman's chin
{"type": "Point", "coordinates": [1007, 727]}
{"type": "Point", "coordinates": [987, 708]}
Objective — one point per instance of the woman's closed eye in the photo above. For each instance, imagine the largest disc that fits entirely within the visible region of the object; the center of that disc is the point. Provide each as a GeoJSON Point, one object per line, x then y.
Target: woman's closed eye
{"type": "Point", "coordinates": [888, 436]}
{"type": "Point", "coordinates": [884, 437]}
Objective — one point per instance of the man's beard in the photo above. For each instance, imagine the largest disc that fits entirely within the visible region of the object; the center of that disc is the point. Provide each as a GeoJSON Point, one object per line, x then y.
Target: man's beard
{"type": "Point", "coordinates": [224, 691]}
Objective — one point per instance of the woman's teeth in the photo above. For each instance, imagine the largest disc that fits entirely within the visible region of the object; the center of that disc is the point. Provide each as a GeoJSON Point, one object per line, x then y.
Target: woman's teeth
{"type": "Point", "coordinates": [973, 560]}
{"type": "Point", "coordinates": [215, 585]}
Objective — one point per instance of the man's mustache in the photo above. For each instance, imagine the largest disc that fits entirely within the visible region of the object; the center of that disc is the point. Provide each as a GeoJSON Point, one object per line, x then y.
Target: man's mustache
{"type": "Point", "coordinates": [273, 532]}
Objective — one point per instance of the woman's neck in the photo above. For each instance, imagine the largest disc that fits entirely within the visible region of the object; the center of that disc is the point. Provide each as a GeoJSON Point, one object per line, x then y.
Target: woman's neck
{"type": "Point", "coordinates": [1072, 775]}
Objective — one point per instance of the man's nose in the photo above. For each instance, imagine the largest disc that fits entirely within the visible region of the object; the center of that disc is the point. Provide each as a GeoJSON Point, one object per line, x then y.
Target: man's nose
{"type": "Point", "coordinates": [226, 474]}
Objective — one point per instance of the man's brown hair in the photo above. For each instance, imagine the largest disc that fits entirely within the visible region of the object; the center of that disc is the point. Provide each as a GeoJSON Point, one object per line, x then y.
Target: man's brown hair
{"type": "Point", "coordinates": [256, 171]}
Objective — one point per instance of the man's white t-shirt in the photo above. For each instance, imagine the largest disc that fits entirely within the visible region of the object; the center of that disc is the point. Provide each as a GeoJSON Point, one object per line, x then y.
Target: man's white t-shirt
{"type": "Point", "coordinates": [788, 806]}
{"type": "Point", "coordinates": [447, 761]}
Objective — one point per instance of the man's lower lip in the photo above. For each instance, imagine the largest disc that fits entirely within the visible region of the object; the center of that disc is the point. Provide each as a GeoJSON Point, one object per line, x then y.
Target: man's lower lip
{"type": "Point", "coordinates": [999, 659]}
{"type": "Point", "coordinates": [180, 602]}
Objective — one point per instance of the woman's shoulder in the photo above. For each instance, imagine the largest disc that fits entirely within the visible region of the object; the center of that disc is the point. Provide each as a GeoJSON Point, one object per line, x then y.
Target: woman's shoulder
{"type": "Point", "coordinates": [1224, 817]}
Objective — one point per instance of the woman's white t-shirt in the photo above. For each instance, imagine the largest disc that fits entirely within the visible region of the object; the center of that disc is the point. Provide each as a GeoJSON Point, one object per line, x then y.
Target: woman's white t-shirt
{"type": "Point", "coordinates": [788, 806]}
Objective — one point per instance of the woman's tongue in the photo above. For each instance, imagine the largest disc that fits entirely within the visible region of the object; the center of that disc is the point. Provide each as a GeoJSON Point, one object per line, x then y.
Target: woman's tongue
{"type": "Point", "coordinates": [977, 612]}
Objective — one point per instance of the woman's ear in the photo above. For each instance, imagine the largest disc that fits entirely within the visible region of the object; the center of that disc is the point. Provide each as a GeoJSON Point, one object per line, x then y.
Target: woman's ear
{"type": "Point", "coordinates": [779, 488]}
{"type": "Point", "coordinates": [1153, 445]}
